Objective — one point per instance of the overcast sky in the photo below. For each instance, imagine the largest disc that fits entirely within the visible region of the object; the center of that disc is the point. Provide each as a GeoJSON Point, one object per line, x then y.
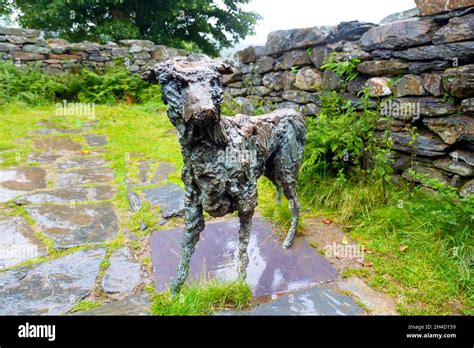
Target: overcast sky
{"type": "Point", "coordinates": [289, 14]}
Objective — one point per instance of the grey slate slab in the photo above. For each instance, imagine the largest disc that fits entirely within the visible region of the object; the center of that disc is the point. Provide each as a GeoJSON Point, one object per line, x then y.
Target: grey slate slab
{"type": "Point", "coordinates": [271, 269]}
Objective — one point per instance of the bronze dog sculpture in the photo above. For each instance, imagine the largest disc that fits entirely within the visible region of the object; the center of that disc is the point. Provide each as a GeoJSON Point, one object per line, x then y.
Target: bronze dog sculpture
{"type": "Point", "coordinates": [224, 157]}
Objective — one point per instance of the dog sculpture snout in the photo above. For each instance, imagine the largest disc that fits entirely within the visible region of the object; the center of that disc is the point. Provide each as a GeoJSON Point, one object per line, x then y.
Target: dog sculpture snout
{"type": "Point", "coordinates": [198, 104]}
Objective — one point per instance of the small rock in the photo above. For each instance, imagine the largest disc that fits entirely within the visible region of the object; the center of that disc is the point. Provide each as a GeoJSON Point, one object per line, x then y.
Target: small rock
{"type": "Point", "coordinates": [19, 32]}
{"type": "Point", "coordinates": [430, 7]}
{"type": "Point", "coordinates": [119, 52]}
{"type": "Point", "coordinates": [408, 85]}
{"type": "Point", "coordinates": [459, 82]}
{"type": "Point", "coordinates": [285, 40]}
{"type": "Point", "coordinates": [19, 40]}
{"type": "Point", "coordinates": [291, 59]}
{"type": "Point", "coordinates": [399, 35]}
{"type": "Point", "coordinates": [169, 197]}
{"type": "Point", "coordinates": [332, 81]}
{"type": "Point", "coordinates": [250, 54]}
{"type": "Point", "coordinates": [458, 29]}
{"type": "Point", "coordinates": [27, 56]}
{"type": "Point", "coordinates": [436, 65]}
{"type": "Point", "coordinates": [313, 301]}
{"type": "Point", "coordinates": [82, 176]}
{"type": "Point", "coordinates": [428, 106]}
{"type": "Point", "coordinates": [468, 105]}
{"type": "Point", "coordinates": [382, 67]}
{"type": "Point", "coordinates": [453, 128]}
{"type": "Point", "coordinates": [265, 64]}
{"type": "Point", "coordinates": [308, 79]}
{"type": "Point", "coordinates": [378, 86]}
{"type": "Point", "coordinates": [456, 167]}
{"type": "Point", "coordinates": [433, 83]}
{"type": "Point", "coordinates": [163, 171]}
{"type": "Point", "coordinates": [279, 80]}
{"type": "Point", "coordinates": [463, 155]}
{"type": "Point", "coordinates": [56, 144]}
{"type": "Point", "coordinates": [467, 189]}
{"type": "Point", "coordinates": [319, 55]}
{"type": "Point", "coordinates": [425, 144]}
{"type": "Point", "coordinates": [68, 195]}
{"type": "Point", "coordinates": [432, 173]}
{"type": "Point", "coordinates": [401, 16]}
{"type": "Point", "coordinates": [36, 49]}
{"type": "Point", "coordinates": [458, 50]}
{"type": "Point", "coordinates": [298, 97]}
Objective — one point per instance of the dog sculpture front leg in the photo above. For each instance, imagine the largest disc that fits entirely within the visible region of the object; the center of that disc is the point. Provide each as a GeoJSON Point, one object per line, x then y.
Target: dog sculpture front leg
{"type": "Point", "coordinates": [194, 224]}
{"type": "Point", "coordinates": [244, 237]}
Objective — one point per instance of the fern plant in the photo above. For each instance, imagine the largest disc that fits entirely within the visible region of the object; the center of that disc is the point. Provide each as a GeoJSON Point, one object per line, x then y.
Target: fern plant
{"type": "Point", "coordinates": [346, 69]}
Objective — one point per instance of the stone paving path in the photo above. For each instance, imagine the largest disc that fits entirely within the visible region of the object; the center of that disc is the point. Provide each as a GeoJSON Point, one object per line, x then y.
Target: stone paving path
{"type": "Point", "coordinates": [61, 198]}
{"type": "Point", "coordinates": [59, 229]}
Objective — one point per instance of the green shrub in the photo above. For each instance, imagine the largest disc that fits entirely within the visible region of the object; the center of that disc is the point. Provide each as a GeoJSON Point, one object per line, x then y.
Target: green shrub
{"type": "Point", "coordinates": [341, 141]}
{"type": "Point", "coordinates": [346, 69]}
{"type": "Point", "coordinates": [28, 84]}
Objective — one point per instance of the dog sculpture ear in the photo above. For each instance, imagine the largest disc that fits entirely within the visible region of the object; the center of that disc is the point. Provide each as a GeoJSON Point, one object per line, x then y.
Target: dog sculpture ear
{"type": "Point", "coordinates": [156, 73]}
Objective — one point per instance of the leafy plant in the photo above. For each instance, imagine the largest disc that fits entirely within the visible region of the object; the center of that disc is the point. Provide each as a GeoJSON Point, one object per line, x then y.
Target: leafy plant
{"type": "Point", "coordinates": [346, 69]}
{"type": "Point", "coordinates": [294, 69]}
{"type": "Point", "coordinates": [29, 85]}
{"type": "Point", "coordinates": [341, 141]}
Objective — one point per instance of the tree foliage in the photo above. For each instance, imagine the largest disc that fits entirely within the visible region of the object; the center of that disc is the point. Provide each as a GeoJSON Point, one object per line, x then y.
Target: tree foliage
{"type": "Point", "coordinates": [202, 25]}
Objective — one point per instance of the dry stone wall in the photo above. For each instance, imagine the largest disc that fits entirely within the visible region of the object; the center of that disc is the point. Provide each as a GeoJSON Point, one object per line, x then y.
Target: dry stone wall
{"type": "Point", "coordinates": [26, 47]}
{"type": "Point", "coordinates": [420, 70]}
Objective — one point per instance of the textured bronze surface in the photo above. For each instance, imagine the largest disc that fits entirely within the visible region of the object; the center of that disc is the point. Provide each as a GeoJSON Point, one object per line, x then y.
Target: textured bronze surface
{"type": "Point", "coordinates": [224, 157]}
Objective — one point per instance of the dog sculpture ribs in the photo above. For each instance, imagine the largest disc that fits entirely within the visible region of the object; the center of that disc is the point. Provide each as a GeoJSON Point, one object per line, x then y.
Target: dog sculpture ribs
{"type": "Point", "coordinates": [224, 157]}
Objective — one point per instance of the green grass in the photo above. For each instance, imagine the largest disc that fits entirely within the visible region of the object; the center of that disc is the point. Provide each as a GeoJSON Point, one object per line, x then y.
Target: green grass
{"type": "Point", "coordinates": [428, 278]}
{"type": "Point", "coordinates": [85, 305]}
{"type": "Point", "coordinates": [199, 299]}
{"type": "Point", "coordinates": [432, 277]}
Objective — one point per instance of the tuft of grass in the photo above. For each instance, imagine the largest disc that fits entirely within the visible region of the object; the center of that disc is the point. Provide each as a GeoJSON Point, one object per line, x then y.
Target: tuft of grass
{"type": "Point", "coordinates": [199, 299]}
{"type": "Point", "coordinates": [85, 305]}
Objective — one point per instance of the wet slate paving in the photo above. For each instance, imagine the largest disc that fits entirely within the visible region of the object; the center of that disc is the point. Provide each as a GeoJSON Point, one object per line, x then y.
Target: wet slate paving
{"type": "Point", "coordinates": [123, 275]}
{"type": "Point", "coordinates": [272, 270]}
{"type": "Point", "coordinates": [18, 242]}
{"type": "Point", "coordinates": [169, 197]}
{"type": "Point", "coordinates": [71, 226]}
{"type": "Point", "coordinates": [52, 287]}
{"type": "Point", "coordinates": [95, 140]}
{"type": "Point", "coordinates": [15, 182]}
{"type": "Point", "coordinates": [135, 305]}
{"type": "Point", "coordinates": [313, 301]}
{"type": "Point", "coordinates": [69, 195]}
{"type": "Point", "coordinates": [66, 193]}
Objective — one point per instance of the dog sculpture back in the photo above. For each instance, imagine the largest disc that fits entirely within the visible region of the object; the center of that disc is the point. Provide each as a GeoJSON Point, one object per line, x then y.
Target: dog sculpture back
{"type": "Point", "coordinates": [224, 157]}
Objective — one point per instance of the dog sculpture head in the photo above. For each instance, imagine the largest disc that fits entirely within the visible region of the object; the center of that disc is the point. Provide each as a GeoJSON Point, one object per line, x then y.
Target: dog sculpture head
{"type": "Point", "coordinates": [192, 90]}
